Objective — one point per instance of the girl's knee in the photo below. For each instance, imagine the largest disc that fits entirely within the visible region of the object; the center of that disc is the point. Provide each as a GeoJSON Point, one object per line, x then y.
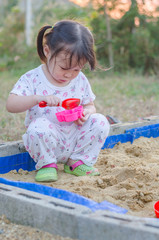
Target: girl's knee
{"type": "Point", "coordinates": [43, 131]}
{"type": "Point", "coordinates": [38, 128]}
{"type": "Point", "coordinates": [40, 124]}
{"type": "Point", "coordinates": [100, 122]}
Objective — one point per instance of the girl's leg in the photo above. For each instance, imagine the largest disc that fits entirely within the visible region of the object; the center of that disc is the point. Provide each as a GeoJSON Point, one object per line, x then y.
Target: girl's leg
{"type": "Point", "coordinates": [40, 141]}
{"type": "Point", "coordinates": [90, 138]}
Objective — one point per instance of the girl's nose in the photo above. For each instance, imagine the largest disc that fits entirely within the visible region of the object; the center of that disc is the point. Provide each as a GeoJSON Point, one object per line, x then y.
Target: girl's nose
{"type": "Point", "coordinates": [68, 74]}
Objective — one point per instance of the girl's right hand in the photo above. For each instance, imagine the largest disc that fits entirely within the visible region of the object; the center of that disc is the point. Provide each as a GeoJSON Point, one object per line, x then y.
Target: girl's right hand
{"type": "Point", "coordinates": [51, 100]}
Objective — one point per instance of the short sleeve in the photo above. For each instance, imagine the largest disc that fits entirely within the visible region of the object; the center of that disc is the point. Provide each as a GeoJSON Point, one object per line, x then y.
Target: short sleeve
{"type": "Point", "coordinates": [23, 87]}
{"type": "Point", "coordinates": [88, 95]}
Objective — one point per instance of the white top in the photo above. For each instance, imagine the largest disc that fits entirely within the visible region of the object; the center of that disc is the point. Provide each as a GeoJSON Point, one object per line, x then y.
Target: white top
{"type": "Point", "coordinates": [35, 82]}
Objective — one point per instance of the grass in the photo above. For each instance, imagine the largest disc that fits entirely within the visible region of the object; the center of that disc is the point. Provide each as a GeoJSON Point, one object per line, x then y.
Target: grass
{"type": "Point", "coordinates": [11, 125]}
{"type": "Point", "coordinates": [127, 97]}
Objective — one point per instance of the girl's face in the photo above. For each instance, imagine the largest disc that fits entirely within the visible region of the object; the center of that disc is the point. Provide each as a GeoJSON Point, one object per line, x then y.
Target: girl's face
{"type": "Point", "coordinates": [60, 70]}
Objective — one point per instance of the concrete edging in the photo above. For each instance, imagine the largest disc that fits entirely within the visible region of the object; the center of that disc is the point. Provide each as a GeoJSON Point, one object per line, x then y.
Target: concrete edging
{"type": "Point", "coordinates": [72, 220]}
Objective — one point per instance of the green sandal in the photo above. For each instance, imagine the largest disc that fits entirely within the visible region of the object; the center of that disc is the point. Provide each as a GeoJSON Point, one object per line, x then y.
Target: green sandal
{"type": "Point", "coordinates": [48, 174]}
{"type": "Point", "coordinates": [81, 169]}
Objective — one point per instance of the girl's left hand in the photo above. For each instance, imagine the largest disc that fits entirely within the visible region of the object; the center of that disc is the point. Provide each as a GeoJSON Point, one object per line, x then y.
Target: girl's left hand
{"type": "Point", "coordinates": [88, 110]}
{"type": "Point", "coordinates": [85, 116]}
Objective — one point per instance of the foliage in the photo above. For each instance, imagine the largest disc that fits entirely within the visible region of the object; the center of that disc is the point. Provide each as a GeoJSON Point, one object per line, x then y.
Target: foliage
{"type": "Point", "coordinates": [11, 38]}
{"type": "Point", "coordinates": [135, 47]}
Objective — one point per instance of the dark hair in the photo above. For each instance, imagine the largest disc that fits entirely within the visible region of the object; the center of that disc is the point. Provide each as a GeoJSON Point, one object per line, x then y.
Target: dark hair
{"type": "Point", "coordinates": [71, 37]}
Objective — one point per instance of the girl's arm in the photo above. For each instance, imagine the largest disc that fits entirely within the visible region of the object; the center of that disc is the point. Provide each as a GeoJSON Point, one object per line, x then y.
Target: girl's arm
{"type": "Point", "coordinates": [17, 104]}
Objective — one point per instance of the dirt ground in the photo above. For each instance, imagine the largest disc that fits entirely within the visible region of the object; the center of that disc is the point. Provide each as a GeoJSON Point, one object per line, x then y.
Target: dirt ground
{"type": "Point", "coordinates": [11, 231]}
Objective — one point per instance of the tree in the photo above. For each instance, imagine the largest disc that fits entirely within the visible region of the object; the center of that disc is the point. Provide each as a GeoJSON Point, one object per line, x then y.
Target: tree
{"type": "Point", "coordinates": [109, 36]}
{"type": "Point", "coordinates": [102, 8]}
{"type": "Point", "coordinates": [28, 22]}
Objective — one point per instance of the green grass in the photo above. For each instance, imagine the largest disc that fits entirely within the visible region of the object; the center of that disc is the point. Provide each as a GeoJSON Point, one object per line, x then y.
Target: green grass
{"type": "Point", "coordinates": [128, 97]}
{"type": "Point", "coordinates": [128, 85]}
{"type": "Point", "coordinates": [11, 125]}
{"type": "Point", "coordinates": [125, 96]}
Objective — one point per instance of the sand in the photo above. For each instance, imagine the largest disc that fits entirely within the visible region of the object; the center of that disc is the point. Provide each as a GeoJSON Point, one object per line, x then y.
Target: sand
{"type": "Point", "coordinates": [129, 177]}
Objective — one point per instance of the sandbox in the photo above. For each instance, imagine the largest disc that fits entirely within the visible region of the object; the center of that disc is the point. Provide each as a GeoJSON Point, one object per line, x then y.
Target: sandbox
{"type": "Point", "coordinates": [128, 172]}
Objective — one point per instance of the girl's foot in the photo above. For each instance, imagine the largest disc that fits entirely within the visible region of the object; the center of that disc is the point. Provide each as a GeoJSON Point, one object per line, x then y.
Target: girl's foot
{"type": "Point", "coordinates": [47, 174]}
{"type": "Point", "coordinates": [78, 168]}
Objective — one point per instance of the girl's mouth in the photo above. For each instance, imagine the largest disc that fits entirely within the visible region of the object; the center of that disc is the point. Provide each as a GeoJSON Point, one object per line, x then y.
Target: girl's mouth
{"type": "Point", "coordinates": [61, 80]}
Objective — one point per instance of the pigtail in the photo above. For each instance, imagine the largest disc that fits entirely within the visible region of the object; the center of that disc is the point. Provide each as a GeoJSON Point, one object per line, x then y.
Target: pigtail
{"type": "Point", "coordinates": [40, 42]}
{"type": "Point", "coordinates": [92, 60]}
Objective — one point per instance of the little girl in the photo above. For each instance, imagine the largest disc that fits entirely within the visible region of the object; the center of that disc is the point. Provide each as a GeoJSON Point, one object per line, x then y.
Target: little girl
{"type": "Point", "coordinates": [64, 49]}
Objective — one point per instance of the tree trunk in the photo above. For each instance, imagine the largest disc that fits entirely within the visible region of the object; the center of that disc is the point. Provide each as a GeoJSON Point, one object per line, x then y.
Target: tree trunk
{"type": "Point", "coordinates": [132, 27]}
{"type": "Point", "coordinates": [109, 36]}
{"type": "Point", "coordinates": [28, 22]}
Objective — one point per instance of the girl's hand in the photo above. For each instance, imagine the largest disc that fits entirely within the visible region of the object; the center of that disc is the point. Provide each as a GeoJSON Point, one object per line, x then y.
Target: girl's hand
{"type": "Point", "coordinates": [51, 100]}
{"type": "Point", "coordinates": [85, 116]}
{"type": "Point", "coordinates": [88, 110]}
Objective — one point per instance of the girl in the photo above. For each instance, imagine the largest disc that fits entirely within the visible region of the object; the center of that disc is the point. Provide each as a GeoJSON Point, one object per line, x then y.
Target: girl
{"type": "Point", "coordinates": [64, 49]}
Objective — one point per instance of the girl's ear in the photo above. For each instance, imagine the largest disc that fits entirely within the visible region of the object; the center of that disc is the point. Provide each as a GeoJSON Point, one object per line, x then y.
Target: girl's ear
{"type": "Point", "coordinates": [46, 51]}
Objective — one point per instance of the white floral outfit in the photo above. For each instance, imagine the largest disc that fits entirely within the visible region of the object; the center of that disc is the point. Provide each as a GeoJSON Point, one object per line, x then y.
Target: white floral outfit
{"type": "Point", "coordinates": [49, 141]}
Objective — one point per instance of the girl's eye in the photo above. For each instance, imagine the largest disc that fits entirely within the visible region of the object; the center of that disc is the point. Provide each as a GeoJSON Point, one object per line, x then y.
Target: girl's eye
{"type": "Point", "coordinates": [63, 68]}
{"type": "Point", "coordinates": [66, 69]}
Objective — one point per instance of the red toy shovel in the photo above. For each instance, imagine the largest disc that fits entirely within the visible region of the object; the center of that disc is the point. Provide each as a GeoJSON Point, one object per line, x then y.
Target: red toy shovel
{"type": "Point", "coordinates": [69, 103]}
